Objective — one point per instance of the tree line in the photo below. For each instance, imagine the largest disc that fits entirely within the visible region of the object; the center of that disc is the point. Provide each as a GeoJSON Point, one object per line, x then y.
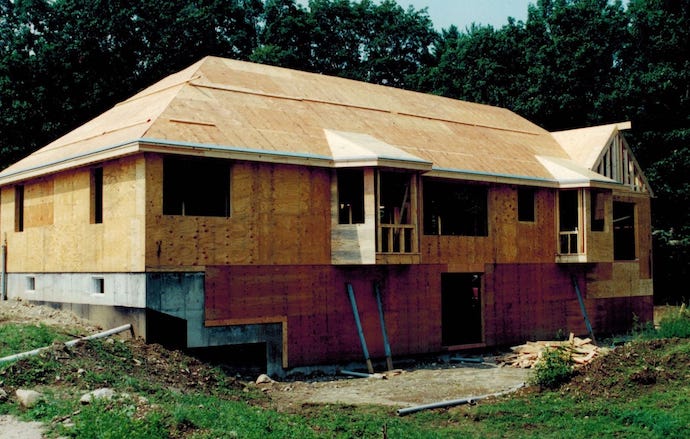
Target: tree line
{"type": "Point", "coordinates": [571, 63]}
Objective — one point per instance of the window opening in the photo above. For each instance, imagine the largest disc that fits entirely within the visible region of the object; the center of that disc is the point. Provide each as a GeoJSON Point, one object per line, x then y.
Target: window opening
{"type": "Point", "coordinates": [196, 187]}
{"type": "Point", "coordinates": [98, 285]}
{"type": "Point", "coordinates": [97, 195]}
{"type": "Point", "coordinates": [350, 196]}
{"type": "Point", "coordinates": [568, 202]}
{"type": "Point", "coordinates": [397, 230]}
{"type": "Point", "coordinates": [452, 208]}
{"type": "Point", "coordinates": [623, 231]}
{"type": "Point", "coordinates": [19, 208]}
{"type": "Point", "coordinates": [30, 283]}
{"type": "Point", "coordinates": [526, 205]}
{"type": "Point", "coordinates": [597, 210]}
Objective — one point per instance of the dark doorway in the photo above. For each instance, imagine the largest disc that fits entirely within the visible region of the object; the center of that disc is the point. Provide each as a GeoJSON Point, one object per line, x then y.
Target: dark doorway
{"type": "Point", "coordinates": [461, 309]}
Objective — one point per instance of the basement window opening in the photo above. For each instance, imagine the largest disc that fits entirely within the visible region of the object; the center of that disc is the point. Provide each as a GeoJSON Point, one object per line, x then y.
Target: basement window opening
{"type": "Point", "coordinates": [350, 196]}
{"type": "Point", "coordinates": [98, 285]}
{"type": "Point", "coordinates": [452, 208]}
{"type": "Point", "coordinates": [30, 284]}
{"type": "Point", "coordinates": [196, 187]}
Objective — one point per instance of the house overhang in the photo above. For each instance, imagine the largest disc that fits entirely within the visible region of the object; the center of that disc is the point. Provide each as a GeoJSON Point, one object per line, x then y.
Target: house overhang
{"type": "Point", "coordinates": [348, 150]}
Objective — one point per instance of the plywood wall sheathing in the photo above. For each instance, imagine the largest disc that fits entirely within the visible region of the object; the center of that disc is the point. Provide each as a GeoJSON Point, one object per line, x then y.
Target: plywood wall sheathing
{"type": "Point", "coordinates": [58, 235]}
{"type": "Point", "coordinates": [277, 217]}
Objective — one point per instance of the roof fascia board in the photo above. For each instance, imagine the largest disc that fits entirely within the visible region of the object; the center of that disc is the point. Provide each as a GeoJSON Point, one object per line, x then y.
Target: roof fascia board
{"type": "Point", "coordinates": [463, 174]}
{"type": "Point", "coordinates": [158, 145]}
{"type": "Point", "coordinates": [232, 152]}
{"type": "Point", "coordinates": [459, 174]}
{"type": "Point", "coordinates": [71, 162]}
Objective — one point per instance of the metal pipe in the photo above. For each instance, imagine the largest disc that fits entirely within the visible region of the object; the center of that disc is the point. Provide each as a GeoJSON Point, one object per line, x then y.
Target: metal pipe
{"type": "Point", "coordinates": [386, 344]}
{"type": "Point", "coordinates": [359, 374]}
{"type": "Point", "coordinates": [582, 307]}
{"type": "Point", "coordinates": [3, 262]}
{"type": "Point", "coordinates": [69, 343]}
{"type": "Point", "coordinates": [360, 331]}
{"type": "Point", "coordinates": [467, 359]}
{"type": "Point", "coordinates": [454, 402]}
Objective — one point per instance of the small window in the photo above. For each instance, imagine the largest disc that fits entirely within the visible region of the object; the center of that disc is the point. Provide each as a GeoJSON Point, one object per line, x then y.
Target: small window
{"type": "Point", "coordinates": [350, 196]}
{"type": "Point", "coordinates": [98, 285]}
{"type": "Point", "coordinates": [30, 283]}
{"type": "Point", "coordinates": [526, 204]}
{"type": "Point", "coordinates": [597, 211]}
{"type": "Point", "coordinates": [196, 187]}
{"type": "Point", "coordinates": [96, 195]}
{"type": "Point", "coordinates": [19, 208]}
{"type": "Point", "coordinates": [452, 208]}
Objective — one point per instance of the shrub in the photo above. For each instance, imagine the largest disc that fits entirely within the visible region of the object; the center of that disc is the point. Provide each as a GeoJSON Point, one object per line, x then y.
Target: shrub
{"type": "Point", "coordinates": [675, 325]}
{"type": "Point", "coordinates": [553, 369]}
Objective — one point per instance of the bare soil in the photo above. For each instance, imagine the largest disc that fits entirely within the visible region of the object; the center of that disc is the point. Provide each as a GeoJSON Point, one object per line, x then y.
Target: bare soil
{"type": "Point", "coordinates": [418, 385]}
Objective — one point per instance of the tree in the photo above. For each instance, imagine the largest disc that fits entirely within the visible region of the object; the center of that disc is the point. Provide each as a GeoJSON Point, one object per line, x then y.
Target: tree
{"type": "Point", "coordinates": [571, 50]}
{"type": "Point", "coordinates": [285, 38]}
{"type": "Point", "coordinates": [63, 62]}
{"type": "Point", "coordinates": [482, 65]}
{"type": "Point", "coordinates": [655, 94]}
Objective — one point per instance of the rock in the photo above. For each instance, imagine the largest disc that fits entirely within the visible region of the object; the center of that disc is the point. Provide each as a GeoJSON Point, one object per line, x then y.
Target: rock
{"type": "Point", "coordinates": [28, 398]}
{"type": "Point", "coordinates": [264, 379]}
{"type": "Point", "coordinates": [3, 395]}
{"type": "Point", "coordinates": [102, 393]}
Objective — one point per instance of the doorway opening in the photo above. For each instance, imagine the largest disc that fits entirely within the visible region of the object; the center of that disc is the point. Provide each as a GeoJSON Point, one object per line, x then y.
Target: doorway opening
{"type": "Point", "coordinates": [461, 309]}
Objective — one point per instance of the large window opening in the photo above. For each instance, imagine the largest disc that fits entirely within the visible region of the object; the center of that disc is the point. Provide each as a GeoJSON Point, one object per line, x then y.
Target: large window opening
{"type": "Point", "coordinates": [568, 221]}
{"type": "Point", "coordinates": [350, 196]}
{"type": "Point", "coordinates": [526, 204]}
{"type": "Point", "coordinates": [196, 187]}
{"type": "Point", "coordinates": [623, 231]}
{"type": "Point", "coordinates": [97, 195]}
{"type": "Point", "coordinates": [452, 208]}
{"type": "Point", "coordinates": [19, 208]}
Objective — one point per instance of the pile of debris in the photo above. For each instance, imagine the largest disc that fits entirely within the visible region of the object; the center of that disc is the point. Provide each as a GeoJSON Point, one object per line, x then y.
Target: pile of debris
{"type": "Point", "coordinates": [581, 350]}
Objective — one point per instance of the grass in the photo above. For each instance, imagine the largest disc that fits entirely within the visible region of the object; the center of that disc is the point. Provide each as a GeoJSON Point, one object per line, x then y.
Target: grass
{"type": "Point", "coordinates": [639, 390]}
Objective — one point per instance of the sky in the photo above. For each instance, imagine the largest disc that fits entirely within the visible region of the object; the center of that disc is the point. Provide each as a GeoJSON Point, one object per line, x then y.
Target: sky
{"type": "Point", "coordinates": [463, 13]}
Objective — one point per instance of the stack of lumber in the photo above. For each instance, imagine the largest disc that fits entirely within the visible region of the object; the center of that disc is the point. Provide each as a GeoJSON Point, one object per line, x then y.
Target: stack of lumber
{"type": "Point", "coordinates": [581, 350]}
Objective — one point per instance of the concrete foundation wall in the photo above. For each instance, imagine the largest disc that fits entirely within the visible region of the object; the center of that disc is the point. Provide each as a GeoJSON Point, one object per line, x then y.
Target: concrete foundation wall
{"type": "Point", "coordinates": [102, 289]}
{"type": "Point", "coordinates": [181, 295]}
{"type": "Point", "coordinates": [107, 317]}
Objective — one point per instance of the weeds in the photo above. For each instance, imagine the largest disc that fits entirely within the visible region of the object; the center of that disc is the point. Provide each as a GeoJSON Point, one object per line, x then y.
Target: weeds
{"type": "Point", "coordinates": [675, 325]}
{"type": "Point", "coordinates": [553, 369]}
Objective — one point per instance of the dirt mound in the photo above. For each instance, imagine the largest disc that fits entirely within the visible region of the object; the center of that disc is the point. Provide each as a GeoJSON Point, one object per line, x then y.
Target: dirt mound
{"type": "Point", "coordinates": [101, 363]}
{"type": "Point", "coordinates": [19, 311]}
{"type": "Point", "coordinates": [632, 368]}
